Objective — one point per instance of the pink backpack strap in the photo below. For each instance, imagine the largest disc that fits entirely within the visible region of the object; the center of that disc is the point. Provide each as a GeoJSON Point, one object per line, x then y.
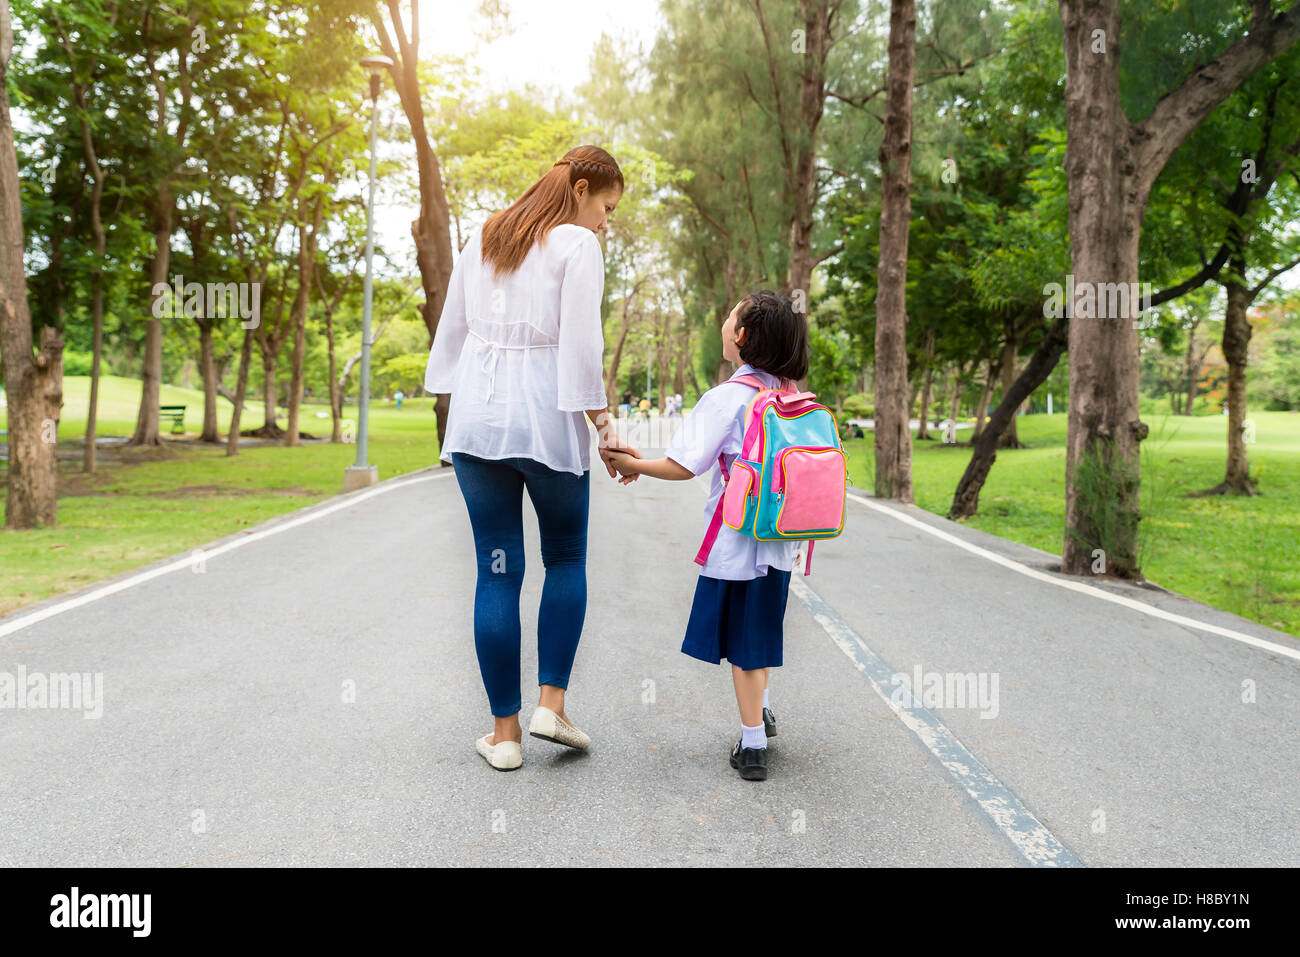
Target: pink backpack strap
{"type": "Point", "coordinates": [715, 523]}
{"type": "Point", "coordinates": [807, 563]}
{"type": "Point", "coordinates": [750, 380]}
{"type": "Point", "coordinates": [787, 385]}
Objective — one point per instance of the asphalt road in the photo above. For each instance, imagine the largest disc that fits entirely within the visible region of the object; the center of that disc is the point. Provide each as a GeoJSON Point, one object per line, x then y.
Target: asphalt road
{"type": "Point", "coordinates": [306, 693]}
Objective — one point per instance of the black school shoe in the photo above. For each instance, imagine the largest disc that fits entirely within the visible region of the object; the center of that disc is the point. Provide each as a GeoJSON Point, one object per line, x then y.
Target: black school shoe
{"type": "Point", "coordinates": [750, 762]}
{"type": "Point", "coordinates": [769, 723]}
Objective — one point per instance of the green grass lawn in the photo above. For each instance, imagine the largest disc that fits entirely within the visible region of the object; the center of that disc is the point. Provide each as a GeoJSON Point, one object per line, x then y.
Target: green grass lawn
{"type": "Point", "coordinates": [1239, 554]}
{"type": "Point", "coordinates": [155, 503]}
{"type": "Point", "coordinates": [1234, 553]}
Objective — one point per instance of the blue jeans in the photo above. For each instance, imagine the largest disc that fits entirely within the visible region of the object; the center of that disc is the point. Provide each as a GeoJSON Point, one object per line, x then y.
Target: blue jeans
{"type": "Point", "coordinates": [493, 491]}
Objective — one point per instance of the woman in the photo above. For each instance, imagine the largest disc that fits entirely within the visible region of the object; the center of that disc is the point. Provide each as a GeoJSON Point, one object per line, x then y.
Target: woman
{"type": "Point", "coordinates": [520, 348]}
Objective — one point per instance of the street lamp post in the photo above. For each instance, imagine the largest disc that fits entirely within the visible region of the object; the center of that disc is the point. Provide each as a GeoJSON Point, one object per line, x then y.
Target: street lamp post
{"type": "Point", "coordinates": [362, 473]}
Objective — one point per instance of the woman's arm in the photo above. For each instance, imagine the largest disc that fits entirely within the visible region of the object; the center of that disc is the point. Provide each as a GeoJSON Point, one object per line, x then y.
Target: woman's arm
{"type": "Point", "coordinates": [580, 367]}
{"type": "Point", "coordinates": [453, 328]}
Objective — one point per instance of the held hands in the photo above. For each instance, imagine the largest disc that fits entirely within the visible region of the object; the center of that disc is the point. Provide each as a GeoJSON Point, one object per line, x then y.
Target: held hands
{"type": "Point", "coordinates": [622, 461]}
{"type": "Point", "coordinates": [615, 450]}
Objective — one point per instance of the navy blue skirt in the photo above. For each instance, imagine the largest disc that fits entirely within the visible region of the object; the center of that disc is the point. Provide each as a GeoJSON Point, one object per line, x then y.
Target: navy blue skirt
{"type": "Point", "coordinates": [742, 621]}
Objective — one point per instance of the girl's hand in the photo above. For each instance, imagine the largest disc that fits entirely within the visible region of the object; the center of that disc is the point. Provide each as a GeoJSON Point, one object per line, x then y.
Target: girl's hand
{"type": "Point", "coordinates": [610, 456]}
{"type": "Point", "coordinates": [622, 461]}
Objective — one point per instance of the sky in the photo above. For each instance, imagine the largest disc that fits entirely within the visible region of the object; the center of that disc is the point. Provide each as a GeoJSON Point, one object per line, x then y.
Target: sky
{"type": "Point", "coordinates": [548, 45]}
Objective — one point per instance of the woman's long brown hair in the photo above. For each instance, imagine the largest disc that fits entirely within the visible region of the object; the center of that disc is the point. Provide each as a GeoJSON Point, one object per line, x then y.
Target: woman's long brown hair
{"type": "Point", "coordinates": [509, 234]}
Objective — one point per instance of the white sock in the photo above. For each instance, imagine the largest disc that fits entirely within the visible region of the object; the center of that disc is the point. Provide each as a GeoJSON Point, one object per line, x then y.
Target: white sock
{"type": "Point", "coordinates": [754, 737]}
{"type": "Point", "coordinates": [765, 704]}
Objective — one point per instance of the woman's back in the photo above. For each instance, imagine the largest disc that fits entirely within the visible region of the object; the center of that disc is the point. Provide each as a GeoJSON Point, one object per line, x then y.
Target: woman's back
{"type": "Point", "coordinates": [522, 353]}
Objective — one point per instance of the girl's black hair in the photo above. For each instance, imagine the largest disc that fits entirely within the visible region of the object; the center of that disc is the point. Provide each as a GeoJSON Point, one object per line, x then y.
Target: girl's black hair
{"type": "Point", "coordinates": [777, 336]}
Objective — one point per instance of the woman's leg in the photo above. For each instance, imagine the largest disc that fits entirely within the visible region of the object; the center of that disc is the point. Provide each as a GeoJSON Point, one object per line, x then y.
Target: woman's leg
{"type": "Point", "coordinates": [561, 500]}
{"type": "Point", "coordinates": [494, 496]}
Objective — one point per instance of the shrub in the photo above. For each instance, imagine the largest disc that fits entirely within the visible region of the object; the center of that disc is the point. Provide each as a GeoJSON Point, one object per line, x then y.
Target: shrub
{"type": "Point", "coordinates": [859, 406]}
{"type": "Point", "coordinates": [78, 363]}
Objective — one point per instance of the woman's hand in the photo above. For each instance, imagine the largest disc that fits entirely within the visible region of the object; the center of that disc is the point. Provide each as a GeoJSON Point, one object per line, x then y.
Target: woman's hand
{"type": "Point", "coordinates": [609, 440]}
{"type": "Point", "coordinates": [622, 461]}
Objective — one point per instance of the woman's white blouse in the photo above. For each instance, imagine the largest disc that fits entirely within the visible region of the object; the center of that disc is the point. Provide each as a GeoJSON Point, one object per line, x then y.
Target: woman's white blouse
{"type": "Point", "coordinates": [523, 355]}
{"type": "Point", "coordinates": [716, 427]}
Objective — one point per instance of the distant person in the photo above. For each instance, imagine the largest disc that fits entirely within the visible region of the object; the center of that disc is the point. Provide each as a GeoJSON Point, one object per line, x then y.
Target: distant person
{"type": "Point", "coordinates": [740, 597]}
{"type": "Point", "coordinates": [398, 396]}
{"type": "Point", "coordinates": [520, 349]}
{"type": "Point", "coordinates": [625, 404]}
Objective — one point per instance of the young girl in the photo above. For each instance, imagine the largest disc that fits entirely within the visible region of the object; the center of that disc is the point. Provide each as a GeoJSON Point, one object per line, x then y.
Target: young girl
{"type": "Point", "coordinates": [740, 598]}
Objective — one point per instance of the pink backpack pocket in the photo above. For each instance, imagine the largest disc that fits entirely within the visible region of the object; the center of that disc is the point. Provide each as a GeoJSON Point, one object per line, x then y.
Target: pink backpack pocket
{"type": "Point", "coordinates": [812, 480]}
{"type": "Point", "coordinates": [735, 497]}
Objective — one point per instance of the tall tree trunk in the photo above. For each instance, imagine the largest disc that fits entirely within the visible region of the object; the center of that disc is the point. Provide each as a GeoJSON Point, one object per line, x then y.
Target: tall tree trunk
{"type": "Point", "coordinates": [1010, 348]}
{"type": "Point", "coordinates": [241, 391]}
{"type": "Point", "coordinates": [1104, 429]}
{"type": "Point", "coordinates": [208, 373]}
{"type": "Point", "coordinates": [336, 408]}
{"type": "Point", "coordinates": [146, 425]}
{"type": "Point", "coordinates": [307, 234]}
{"type": "Point", "coordinates": [97, 176]}
{"type": "Point", "coordinates": [817, 18]}
{"type": "Point", "coordinates": [1190, 369]}
{"type": "Point", "coordinates": [205, 324]}
{"type": "Point", "coordinates": [336, 394]}
{"type": "Point", "coordinates": [251, 274]}
{"type": "Point", "coordinates": [34, 382]}
{"type": "Point", "coordinates": [432, 229]}
{"type": "Point", "coordinates": [982, 409]}
{"type": "Point", "coordinates": [955, 395]}
{"type": "Point", "coordinates": [1236, 343]}
{"type": "Point", "coordinates": [329, 305]}
{"type": "Point", "coordinates": [611, 377]}
{"type": "Point", "coordinates": [270, 428]}
{"type": "Point", "coordinates": [893, 435]}
{"type": "Point", "coordinates": [923, 423]}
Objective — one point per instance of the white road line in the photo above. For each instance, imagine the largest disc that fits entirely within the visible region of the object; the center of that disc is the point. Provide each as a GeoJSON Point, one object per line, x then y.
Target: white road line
{"type": "Point", "coordinates": [1007, 812]}
{"type": "Point", "coordinates": [1080, 587]}
{"type": "Point", "coordinates": [18, 624]}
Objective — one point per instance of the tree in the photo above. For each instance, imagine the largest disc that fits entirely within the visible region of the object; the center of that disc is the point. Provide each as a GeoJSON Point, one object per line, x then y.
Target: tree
{"type": "Point", "coordinates": [1112, 164]}
{"type": "Point", "coordinates": [34, 381]}
{"type": "Point", "coordinates": [893, 433]}
{"type": "Point", "coordinates": [432, 228]}
{"type": "Point", "coordinates": [162, 33]}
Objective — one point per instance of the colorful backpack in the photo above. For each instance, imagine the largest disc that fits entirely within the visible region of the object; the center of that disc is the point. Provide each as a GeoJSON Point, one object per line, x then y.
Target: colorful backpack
{"type": "Point", "coordinates": [790, 479]}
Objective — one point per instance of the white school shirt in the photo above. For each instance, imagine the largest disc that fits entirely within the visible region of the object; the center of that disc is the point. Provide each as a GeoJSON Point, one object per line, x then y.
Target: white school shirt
{"type": "Point", "coordinates": [716, 426]}
{"type": "Point", "coordinates": [523, 355]}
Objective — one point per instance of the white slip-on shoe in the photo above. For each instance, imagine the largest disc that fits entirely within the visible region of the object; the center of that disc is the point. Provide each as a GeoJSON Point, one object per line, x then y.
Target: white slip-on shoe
{"type": "Point", "coordinates": [505, 756]}
{"type": "Point", "coordinates": [549, 726]}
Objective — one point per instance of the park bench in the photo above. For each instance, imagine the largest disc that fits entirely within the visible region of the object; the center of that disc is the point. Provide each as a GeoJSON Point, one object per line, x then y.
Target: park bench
{"type": "Point", "coordinates": [177, 414]}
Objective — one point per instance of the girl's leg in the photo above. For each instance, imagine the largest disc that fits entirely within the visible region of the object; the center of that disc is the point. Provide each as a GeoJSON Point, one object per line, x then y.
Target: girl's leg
{"type": "Point", "coordinates": [749, 694]}
{"type": "Point", "coordinates": [494, 496]}
{"type": "Point", "coordinates": [561, 500]}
